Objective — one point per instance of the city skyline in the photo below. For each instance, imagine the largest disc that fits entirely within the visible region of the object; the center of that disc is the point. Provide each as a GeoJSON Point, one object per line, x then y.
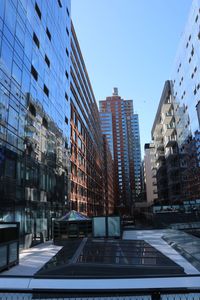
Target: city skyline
{"type": "Point", "coordinates": [138, 34]}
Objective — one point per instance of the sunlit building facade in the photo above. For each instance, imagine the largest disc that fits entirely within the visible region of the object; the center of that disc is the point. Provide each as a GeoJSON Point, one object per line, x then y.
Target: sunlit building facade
{"type": "Point", "coordinates": [108, 164]}
{"type": "Point", "coordinates": [150, 174]}
{"type": "Point", "coordinates": [34, 112]}
{"type": "Point", "coordinates": [108, 169]}
{"type": "Point", "coordinates": [126, 148]}
{"type": "Point", "coordinates": [87, 194]}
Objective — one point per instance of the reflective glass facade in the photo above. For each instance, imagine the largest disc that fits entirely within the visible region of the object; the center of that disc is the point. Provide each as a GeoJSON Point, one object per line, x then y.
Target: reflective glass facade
{"type": "Point", "coordinates": [106, 128]}
{"type": "Point", "coordinates": [186, 85]}
{"type": "Point", "coordinates": [34, 112]}
{"type": "Point", "coordinates": [185, 75]}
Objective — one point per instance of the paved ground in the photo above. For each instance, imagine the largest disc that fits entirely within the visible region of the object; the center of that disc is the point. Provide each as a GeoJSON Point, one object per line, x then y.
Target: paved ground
{"type": "Point", "coordinates": [154, 238]}
{"type": "Point", "coordinates": [32, 259]}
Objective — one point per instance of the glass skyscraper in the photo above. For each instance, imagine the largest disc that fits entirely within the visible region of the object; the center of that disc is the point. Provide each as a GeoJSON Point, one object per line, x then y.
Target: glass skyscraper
{"type": "Point", "coordinates": [107, 129]}
{"type": "Point", "coordinates": [34, 112]}
{"type": "Point", "coordinates": [185, 75]}
{"type": "Point", "coordinates": [186, 85]}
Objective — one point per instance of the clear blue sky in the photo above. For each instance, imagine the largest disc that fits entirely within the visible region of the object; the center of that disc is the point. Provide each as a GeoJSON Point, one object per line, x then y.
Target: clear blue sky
{"type": "Point", "coordinates": [130, 44]}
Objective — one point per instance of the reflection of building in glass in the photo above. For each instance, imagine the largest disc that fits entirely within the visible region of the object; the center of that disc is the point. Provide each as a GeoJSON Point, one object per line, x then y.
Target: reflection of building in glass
{"type": "Point", "coordinates": [126, 146]}
{"type": "Point", "coordinates": [34, 112]}
{"type": "Point", "coordinates": [186, 85]}
{"type": "Point", "coordinates": [86, 139]}
{"type": "Point", "coordinates": [107, 128]}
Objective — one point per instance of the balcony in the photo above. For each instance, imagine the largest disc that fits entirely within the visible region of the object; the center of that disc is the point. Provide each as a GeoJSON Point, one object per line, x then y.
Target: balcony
{"type": "Point", "coordinates": [171, 154]}
{"type": "Point", "coordinates": [158, 132]}
{"type": "Point", "coordinates": [160, 146]}
{"type": "Point", "coordinates": [160, 155]}
{"type": "Point", "coordinates": [167, 118]}
{"type": "Point", "coordinates": [169, 129]}
{"type": "Point", "coordinates": [170, 142]}
{"type": "Point", "coordinates": [166, 107]}
{"type": "Point", "coordinates": [153, 168]}
{"type": "Point", "coordinates": [30, 127]}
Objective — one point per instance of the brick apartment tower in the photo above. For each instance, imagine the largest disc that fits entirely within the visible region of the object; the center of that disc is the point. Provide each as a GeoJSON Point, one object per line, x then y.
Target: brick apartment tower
{"type": "Point", "coordinates": [125, 149]}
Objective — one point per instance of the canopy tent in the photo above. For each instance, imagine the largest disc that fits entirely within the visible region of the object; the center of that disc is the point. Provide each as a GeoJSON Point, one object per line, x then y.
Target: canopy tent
{"type": "Point", "coordinates": [71, 225]}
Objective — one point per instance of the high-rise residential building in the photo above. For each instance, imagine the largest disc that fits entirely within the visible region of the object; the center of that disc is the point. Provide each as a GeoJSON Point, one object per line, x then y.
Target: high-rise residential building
{"type": "Point", "coordinates": [170, 158]}
{"type": "Point", "coordinates": [126, 147]}
{"type": "Point", "coordinates": [86, 139]}
{"type": "Point", "coordinates": [108, 169]}
{"type": "Point", "coordinates": [186, 85]}
{"type": "Point", "coordinates": [136, 150]}
{"type": "Point", "coordinates": [108, 165]}
{"type": "Point", "coordinates": [150, 174]}
{"type": "Point", "coordinates": [107, 128]}
{"type": "Point", "coordinates": [34, 112]}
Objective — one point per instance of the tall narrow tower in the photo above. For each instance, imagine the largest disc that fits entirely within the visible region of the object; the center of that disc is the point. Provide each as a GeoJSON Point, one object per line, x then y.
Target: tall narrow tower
{"type": "Point", "coordinates": [125, 144]}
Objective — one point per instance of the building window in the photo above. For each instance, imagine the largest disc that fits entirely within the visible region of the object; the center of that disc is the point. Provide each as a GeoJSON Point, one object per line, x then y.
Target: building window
{"type": "Point", "coordinates": [68, 12]}
{"type": "Point", "coordinates": [192, 52]}
{"type": "Point", "coordinates": [32, 109]}
{"type": "Point", "coordinates": [66, 97]}
{"type": "Point", "coordinates": [59, 3]}
{"type": "Point", "coordinates": [46, 90]}
{"type": "Point", "coordinates": [38, 11]}
{"type": "Point", "coordinates": [47, 60]}
{"type": "Point", "coordinates": [67, 52]}
{"type": "Point", "coordinates": [67, 31]}
{"type": "Point", "coordinates": [45, 123]}
{"type": "Point", "coordinates": [196, 18]}
{"type": "Point", "coordinates": [66, 74]}
{"type": "Point", "coordinates": [36, 40]}
{"type": "Point", "coordinates": [48, 33]}
{"type": "Point", "coordinates": [34, 73]}
{"type": "Point", "coordinates": [66, 120]}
